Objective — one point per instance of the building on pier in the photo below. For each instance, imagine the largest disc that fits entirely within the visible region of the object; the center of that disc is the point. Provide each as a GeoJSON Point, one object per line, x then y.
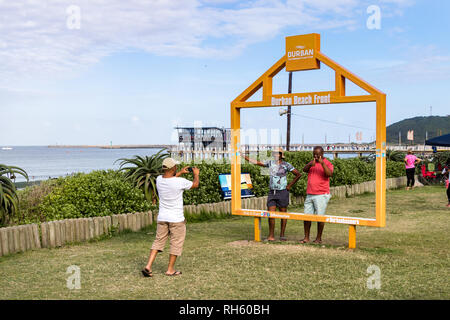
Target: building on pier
{"type": "Point", "coordinates": [203, 138]}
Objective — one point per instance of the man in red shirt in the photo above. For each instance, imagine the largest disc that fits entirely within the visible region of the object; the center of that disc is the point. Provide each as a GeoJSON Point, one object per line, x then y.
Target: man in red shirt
{"type": "Point", "coordinates": [319, 172]}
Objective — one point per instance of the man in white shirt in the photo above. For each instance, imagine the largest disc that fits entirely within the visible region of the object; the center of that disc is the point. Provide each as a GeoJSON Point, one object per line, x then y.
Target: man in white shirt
{"type": "Point", "coordinates": [171, 221]}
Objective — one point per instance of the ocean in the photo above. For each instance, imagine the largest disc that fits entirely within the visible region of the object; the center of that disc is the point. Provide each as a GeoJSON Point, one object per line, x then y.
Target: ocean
{"type": "Point", "coordinates": [42, 162]}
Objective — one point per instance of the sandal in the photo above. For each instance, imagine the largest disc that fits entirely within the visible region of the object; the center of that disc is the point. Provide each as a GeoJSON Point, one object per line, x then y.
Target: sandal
{"type": "Point", "coordinates": [304, 241]}
{"type": "Point", "coordinates": [283, 239]}
{"type": "Point", "coordinates": [147, 273]}
{"type": "Point", "coordinates": [176, 273]}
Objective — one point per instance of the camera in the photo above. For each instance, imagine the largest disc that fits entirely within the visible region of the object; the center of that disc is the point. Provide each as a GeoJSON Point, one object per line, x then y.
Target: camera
{"type": "Point", "coordinates": [190, 169]}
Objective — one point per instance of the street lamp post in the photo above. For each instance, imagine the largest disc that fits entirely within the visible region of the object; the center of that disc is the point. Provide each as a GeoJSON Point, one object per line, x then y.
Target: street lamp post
{"type": "Point", "coordinates": [288, 134]}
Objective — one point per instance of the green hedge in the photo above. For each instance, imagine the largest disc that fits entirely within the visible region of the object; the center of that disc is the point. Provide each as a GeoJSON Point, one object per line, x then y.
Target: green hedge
{"type": "Point", "coordinates": [99, 193]}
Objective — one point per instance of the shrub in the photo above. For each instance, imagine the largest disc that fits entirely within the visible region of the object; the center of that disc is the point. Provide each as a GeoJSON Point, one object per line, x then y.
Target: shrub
{"type": "Point", "coordinates": [143, 171]}
{"type": "Point", "coordinates": [441, 157]}
{"type": "Point", "coordinates": [395, 169]}
{"type": "Point", "coordinates": [99, 193]}
{"type": "Point", "coordinates": [8, 193]}
{"type": "Point", "coordinates": [31, 198]}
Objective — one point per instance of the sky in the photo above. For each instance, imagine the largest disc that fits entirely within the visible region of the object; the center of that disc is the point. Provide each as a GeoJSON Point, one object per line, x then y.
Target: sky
{"type": "Point", "coordinates": [97, 72]}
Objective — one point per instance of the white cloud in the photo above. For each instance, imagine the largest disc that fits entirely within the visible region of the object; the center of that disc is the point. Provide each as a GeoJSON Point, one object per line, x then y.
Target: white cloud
{"type": "Point", "coordinates": [34, 37]}
{"type": "Point", "coordinates": [420, 63]}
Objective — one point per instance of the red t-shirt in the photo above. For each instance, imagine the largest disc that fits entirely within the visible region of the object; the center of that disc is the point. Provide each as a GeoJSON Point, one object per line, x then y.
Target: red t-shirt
{"type": "Point", "coordinates": [318, 181]}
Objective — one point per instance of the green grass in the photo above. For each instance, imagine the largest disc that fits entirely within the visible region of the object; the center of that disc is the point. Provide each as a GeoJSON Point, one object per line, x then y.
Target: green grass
{"type": "Point", "coordinates": [221, 262]}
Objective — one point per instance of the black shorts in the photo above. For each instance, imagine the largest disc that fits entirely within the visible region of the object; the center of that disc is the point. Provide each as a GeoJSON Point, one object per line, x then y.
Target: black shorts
{"type": "Point", "coordinates": [278, 198]}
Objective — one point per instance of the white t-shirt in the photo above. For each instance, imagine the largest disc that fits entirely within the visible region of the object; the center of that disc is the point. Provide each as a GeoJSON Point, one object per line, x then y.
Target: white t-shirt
{"type": "Point", "coordinates": [170, 191]}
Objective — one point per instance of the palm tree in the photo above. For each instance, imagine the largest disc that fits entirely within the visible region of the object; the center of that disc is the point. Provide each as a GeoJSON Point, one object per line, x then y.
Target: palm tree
{"type": "Point", "coordinates": [8, 192]}
{"type": "Point", "coordinates": [395, 155]}
{"type": "Point", "coordinates": [144, 171]}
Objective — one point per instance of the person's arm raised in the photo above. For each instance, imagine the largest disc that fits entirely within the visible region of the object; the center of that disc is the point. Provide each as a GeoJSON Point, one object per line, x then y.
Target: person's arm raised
{"type": "Point", "coordinates": [256, 162]}
{"type": "Point", "coordinates": [196, 182]}
{"type": "Point", "coordinates": [182, 171]}
{"type": "Point", "coordinates": [327, 170]}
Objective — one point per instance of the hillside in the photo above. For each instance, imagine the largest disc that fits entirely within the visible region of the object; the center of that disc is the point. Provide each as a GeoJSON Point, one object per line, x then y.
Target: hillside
{"type": "Point", "coordinates": [434, 125]}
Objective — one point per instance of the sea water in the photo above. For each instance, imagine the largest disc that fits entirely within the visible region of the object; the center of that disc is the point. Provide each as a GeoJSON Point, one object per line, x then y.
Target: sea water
{"type": "Point", "coordinates": [42, 162]}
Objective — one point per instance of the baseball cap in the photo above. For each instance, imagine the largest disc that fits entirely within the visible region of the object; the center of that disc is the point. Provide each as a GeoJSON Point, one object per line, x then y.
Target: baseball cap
{"type": "Point", "coordinates": [169, 163]}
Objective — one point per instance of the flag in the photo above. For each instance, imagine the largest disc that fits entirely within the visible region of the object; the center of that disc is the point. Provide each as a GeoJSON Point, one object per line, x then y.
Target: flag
{"type": "Point", "coordinates": [411, 135]}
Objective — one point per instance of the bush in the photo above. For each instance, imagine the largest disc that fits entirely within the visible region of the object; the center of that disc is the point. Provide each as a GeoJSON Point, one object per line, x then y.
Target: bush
{"type": "Point", "coordinates": [441, 157]}
{"type": "Point", "coordinates": [99, 193]}
{"type": "Point", "coordinates": [31, 198]}
{"type": "Point", "coordinates": [8, 192]}
{"type": "Point", "coordinates": [396, 169]}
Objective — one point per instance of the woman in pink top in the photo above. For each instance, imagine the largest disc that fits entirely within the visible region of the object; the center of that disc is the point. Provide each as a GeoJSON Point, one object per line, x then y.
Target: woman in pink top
{"type": "Point", "coordinates": [410, 164]}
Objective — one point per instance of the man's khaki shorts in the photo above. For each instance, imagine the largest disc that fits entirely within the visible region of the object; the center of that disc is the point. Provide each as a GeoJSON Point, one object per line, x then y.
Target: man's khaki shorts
{"type": "Point", "coordinates": [176, 231]}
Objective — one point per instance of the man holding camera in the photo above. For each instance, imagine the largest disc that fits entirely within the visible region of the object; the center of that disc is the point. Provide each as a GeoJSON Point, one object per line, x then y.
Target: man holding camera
{"type": "Point", "coordinates": [171, 221]}
{"type": "Point", "coordinates": [319, 171]}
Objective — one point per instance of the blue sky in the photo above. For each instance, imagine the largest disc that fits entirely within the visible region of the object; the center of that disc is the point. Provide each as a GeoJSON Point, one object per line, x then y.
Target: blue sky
{"type": "Point", "coordinates": [135, 69]}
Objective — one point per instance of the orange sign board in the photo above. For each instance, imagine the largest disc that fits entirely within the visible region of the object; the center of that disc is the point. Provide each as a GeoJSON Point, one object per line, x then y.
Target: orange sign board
{"type": "Point", "coordinates": [301, 52]}
{"type": "Point", "coordinates": [302, 98]}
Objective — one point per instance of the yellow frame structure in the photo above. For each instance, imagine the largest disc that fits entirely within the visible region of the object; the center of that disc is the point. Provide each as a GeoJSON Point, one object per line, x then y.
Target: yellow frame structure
{"type": "Point", "coordinates": [336, 96]}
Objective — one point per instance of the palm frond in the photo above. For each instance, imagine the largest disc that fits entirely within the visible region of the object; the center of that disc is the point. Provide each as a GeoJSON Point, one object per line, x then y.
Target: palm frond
{"type": "Point", "coordinates": [8, 192]}
{"type": "Point", "coordinates": [143, 170]}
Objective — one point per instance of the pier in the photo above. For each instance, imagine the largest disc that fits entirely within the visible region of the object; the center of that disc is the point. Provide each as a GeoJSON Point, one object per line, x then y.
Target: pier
{"type": "Point", "coordinates": [122, 146]}
{"type": "Point", "coordinates": [335, 150]}
{"type": "Point", "coordinates": [212, 153]}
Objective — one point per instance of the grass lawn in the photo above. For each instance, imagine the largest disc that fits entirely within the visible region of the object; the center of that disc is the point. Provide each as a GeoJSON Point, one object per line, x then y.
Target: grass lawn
{"type": "Point", "coordinates": [219, 261]}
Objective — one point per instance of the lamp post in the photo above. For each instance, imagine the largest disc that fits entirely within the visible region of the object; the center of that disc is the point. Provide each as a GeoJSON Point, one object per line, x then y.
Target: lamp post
{"type": "Point", "coordinates": [289, 113]}
{"type": "Point", "coordinates": [288, 134]}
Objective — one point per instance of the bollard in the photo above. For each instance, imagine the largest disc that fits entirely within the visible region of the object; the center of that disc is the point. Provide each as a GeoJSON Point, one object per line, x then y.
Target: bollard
{"type": "Point", "coordinates": [37, 242]}
{"type": "Point", "coordinates": [121, 222]}
{"type": "Point", "coordinates": [22, 238]}
{"type": "Point", "coordinates": [76, 230]}
{"type": "Point", "coordinates": [4, 242]}
{"type": "Point", "coordinates": [144, 219]}
{"type": "Point", "coordinates": [150, 217]}
{"type": "Point", "coordinates": [108, 224]}
{"type": "Point", "coordinates": [91, 228]}
{"type": "Point", "coordinates": [130, 221]}
{"type": "Point", "coordinates": [80, 229]}
{"type": "Point", "coordinates": [57, 233]}
{"type": "Point", "coordinates": [96, 227]}
{"type": "Point", "coordinates": [85, 228]}
{"type": "Point", "coordinates": [70, 231]}
{"type": "Point", "coordinates": [126, 221]}
{"type": "Point", "coordinates": [44, 234]}
{"type": "Point", "coordinates": [9, 232]}
{"type": "Point", "coordinates": [16, 239]}
{"type": "Point", "coordinates": [62, 231]}
{"type": "Point", "coordinates": [28, 236]}
{"type": "Point", "coordinates": [115, 221]}
{"type": "Point", "coordinates": [137, 216]}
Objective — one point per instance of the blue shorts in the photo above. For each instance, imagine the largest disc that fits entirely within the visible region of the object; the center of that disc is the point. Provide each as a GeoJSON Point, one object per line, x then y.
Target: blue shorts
{"type": "Point", "coordinates": [278, 198]}
{"type": "Point", "coordinates": [316, 203]}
